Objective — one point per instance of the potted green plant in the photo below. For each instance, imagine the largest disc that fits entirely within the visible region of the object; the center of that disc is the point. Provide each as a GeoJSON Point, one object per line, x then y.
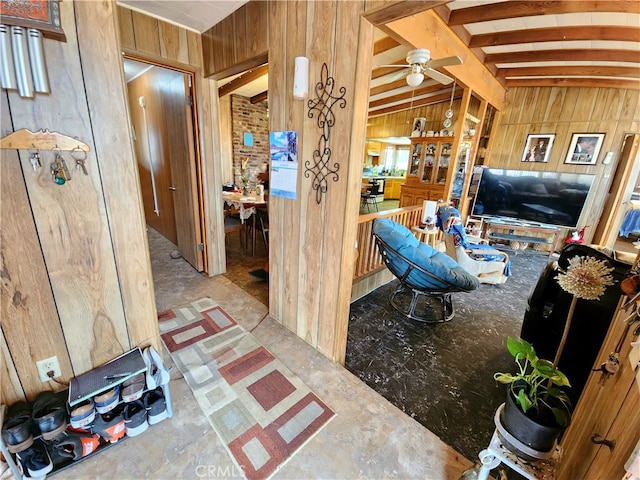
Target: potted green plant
{"type": "Point", "coordinates": [537, 408]}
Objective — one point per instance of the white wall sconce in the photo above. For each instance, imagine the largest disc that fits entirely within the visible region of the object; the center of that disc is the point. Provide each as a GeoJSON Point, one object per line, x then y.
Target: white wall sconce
{"type": "Point", "coordinates": [301, 78]}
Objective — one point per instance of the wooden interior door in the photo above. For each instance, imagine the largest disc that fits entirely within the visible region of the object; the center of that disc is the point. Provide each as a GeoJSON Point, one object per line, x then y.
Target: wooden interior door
{"type": "Point", "coordinates": [165, 143]}
{"type": "Point", "coordinates": [150, 144]}
{"type": "Point", "coordinates": [181, 147]}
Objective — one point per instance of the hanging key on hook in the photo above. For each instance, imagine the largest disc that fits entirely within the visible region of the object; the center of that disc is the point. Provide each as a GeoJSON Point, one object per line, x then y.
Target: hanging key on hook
{"type": "Point", "coordinates": [59, 170]}
{"type": "Point", "coordinates": [80, 156]}
{"type": "Point", "coordinates": [64, 168]}
{"type": "Point", "coordinates": [34, 158]}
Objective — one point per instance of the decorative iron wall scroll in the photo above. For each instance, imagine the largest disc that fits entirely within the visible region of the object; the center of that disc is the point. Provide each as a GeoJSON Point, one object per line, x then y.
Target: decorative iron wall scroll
{"type": "Point", "coordinates": [319, 167]}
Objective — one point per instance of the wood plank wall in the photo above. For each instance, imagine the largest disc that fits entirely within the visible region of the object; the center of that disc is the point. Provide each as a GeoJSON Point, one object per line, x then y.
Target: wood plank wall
{"type": "Point", "coordinates": [312, 254]}
{"type": "Point", "coordinates": [76, 276]}
{"type": "Point", "coordinates": [558, 110]}
{"type": "Point", "coordinates": [238, 42]}
{"type": "Point", "coordinates": [158, 42]}
{"type": "Point", "coordinates": [564, 111]}
{"type": "Point", "coordinates": [400, 124]}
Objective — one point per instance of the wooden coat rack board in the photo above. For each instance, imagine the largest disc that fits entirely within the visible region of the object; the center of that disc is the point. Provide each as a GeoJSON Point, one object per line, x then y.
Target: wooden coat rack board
{"type": "Point", "coordinates": [41, 140]}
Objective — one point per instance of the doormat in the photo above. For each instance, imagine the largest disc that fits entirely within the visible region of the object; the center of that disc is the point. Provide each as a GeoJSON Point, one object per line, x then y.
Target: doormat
{"type": "Point", "coordinates": [260, 410]}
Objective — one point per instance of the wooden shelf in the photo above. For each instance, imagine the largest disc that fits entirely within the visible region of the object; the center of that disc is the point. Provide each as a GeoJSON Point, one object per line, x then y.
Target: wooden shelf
{"type": "Point", "coordinates": [550, 232]}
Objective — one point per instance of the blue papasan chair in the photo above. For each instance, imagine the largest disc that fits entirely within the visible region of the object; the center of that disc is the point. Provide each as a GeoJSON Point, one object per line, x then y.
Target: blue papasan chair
{"type": "Point", "coordinates": [422, 270]}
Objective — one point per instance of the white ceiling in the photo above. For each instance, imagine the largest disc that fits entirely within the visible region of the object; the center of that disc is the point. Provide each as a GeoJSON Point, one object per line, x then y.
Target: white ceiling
{"type": "Point", "coordinates": [196, 15]}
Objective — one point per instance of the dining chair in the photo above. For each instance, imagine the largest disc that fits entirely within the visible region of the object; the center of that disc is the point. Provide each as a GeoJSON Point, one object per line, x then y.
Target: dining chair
{"type": "Point", "coordinates": [233, 224]}
{"type": "Point", "coordinates": [369, 197]}
{"type": "Point", "coordinates": [259, 221]}
{"type": "Point", "coordinates": [263, 218]}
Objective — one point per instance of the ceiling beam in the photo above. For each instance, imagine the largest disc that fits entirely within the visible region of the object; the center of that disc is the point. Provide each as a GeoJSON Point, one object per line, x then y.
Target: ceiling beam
{"type": "Point", "coordinates": [384, 44]}
{"type": "Point", "coordinates": [517, 9]}
{"type": "Point", "coordinates": [573, 82]}
{"type": "Point", "coordinates": [406, 95]}
{"type": "Point", "coordinates": [556, 34]}
{"type": "Point", "coordinates": [583, 55]}
{"type": "Point", "coordinates": [243, 80]}
{"type": "Point", "coordinates": [260, 97]}
{"type": "Point", "coordinates": [427, 30]}
{"type": "Point", "coordinates": [420, 102]}
{"type": "Point", "coordinates": [400, 9]}
{"type": "Point", "coordinates": [576, 71]}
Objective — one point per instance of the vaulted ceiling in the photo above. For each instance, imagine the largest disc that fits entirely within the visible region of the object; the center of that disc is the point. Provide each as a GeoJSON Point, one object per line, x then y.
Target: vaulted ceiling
{"type": "Point", "coordinates": [524, 43]}
{"type": "Point", "coordinates": [583, 43]}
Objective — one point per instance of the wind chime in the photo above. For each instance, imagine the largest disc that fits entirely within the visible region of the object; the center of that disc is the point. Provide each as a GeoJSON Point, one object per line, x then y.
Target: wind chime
{"type": "Point", "coordinates": [22, 57]}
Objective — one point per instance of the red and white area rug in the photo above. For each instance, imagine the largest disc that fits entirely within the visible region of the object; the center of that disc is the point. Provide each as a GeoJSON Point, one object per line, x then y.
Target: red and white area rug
{"type": "Point", "coordinates": [261, 411]}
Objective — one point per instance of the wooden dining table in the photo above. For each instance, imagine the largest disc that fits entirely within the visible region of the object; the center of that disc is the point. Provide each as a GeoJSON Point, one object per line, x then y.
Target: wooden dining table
{"type": "Point", "coordinates": [246, 206]}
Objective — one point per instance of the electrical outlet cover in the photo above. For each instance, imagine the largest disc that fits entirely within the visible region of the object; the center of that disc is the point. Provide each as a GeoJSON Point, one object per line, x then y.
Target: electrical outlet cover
{"type": "Point", "coordinates": [47, 365]}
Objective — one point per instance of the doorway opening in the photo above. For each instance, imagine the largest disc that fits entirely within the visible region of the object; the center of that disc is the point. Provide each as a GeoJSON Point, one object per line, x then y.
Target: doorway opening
{"type": "Point", "coordinates": [164, 126]}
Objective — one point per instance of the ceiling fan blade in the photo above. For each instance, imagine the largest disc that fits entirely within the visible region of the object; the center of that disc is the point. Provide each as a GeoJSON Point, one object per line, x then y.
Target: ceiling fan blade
{"type": "Point", "coordinates": [443, 62]}
{"type": "Point", "coordinates": [404, 65]}
{"type": "Point", "coordinates": [397, 76]}
{"type": "Point", "coordinates": [437, 76]}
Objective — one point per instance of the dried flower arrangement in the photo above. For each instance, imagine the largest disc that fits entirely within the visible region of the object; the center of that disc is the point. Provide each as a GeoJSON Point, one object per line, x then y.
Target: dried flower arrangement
{"type": "Point", "coordinates": [585, 278]}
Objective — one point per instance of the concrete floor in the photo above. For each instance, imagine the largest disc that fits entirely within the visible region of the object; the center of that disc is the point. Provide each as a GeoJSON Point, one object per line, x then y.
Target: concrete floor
{"type": "Point", "coordinates": [368, 438]}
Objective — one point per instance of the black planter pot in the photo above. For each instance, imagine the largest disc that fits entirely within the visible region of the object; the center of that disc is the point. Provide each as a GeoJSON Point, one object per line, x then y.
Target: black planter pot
{"type": "Point", "coordinates": [538, 440]}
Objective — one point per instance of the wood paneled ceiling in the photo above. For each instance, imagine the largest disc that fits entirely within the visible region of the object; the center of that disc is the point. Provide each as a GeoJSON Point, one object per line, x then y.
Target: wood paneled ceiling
{"type": "Point", "coordinates": [583, 43]}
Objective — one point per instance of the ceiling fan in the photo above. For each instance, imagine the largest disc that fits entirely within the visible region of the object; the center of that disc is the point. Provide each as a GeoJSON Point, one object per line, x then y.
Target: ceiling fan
{"type": "Point", "coordinates": [420, 64]}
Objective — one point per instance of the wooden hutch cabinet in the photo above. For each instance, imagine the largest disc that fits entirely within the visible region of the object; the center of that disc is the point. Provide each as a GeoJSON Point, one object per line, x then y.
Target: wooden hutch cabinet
{"type": "Point", "coordinates": [429, 164]}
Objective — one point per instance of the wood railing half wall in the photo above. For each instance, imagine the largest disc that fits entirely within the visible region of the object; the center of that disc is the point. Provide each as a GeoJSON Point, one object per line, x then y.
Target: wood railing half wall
{"type": "Point", "coordinates": [369, 260]}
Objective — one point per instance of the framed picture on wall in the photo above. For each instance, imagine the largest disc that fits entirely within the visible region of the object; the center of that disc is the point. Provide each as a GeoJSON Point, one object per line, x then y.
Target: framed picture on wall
{"type": "Point", "coordinates": [418, 126]}
{"type": "Point", "coordinates": [538, 147]}
{"type": "Point", "coordinates": [584, 148]}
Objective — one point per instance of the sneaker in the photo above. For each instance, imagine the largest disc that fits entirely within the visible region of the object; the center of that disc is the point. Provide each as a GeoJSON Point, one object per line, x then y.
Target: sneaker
{"type": "Point", "coordinates": [108, 400]}
{"type": "Point", "coordinates": [17, 430]}
{"type": "Point", "coordinates": [133, 388]}
{"type": "Point", "coordinates": [75, 445]}
{"type": "Point", "coordinates": [157, 373]}
{"type": "Point", "coordinates": [135, 418]}
{"type": "Point", "coordinates": [156, 406]}
{"type": "Point", "coordinates": [50, 414]}
{"type": "Point", "coordinates": [150, 380]}
{"type": "Point", "coordinates": [110, 426]}
{"type": "Point", "coordinates": [82, 415]}
{"type": "Point", "coordinates": [35, 460]}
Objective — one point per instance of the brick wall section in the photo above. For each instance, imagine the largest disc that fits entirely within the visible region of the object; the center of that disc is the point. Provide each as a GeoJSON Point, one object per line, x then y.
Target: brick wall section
{"type": "Point", "coordinates": [251, 118]}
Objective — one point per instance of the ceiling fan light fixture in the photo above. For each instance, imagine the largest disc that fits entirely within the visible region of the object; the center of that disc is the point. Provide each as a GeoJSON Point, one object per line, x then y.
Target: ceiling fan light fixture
{"type": "Point", "coordinates": [414, 79]}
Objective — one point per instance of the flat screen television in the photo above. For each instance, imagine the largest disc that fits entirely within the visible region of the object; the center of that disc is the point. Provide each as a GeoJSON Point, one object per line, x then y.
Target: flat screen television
{"type": "Point", "coordinates": [546, 198]}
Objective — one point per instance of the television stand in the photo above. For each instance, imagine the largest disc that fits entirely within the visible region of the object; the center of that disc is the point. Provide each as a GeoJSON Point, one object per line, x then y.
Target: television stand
{"type": "Point", "coordinates": [503, 230]}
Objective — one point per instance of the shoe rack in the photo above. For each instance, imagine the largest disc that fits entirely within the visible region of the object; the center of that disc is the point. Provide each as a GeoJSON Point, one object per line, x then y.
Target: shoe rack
{"type": "Point", "coordinates": [87, 386]}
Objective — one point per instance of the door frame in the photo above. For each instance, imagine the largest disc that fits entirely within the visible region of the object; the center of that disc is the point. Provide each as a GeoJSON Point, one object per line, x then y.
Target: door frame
{"type": "Point", "coordinates": [626, 171]}
{"type": "Point", "coordinates": [195, 150]}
